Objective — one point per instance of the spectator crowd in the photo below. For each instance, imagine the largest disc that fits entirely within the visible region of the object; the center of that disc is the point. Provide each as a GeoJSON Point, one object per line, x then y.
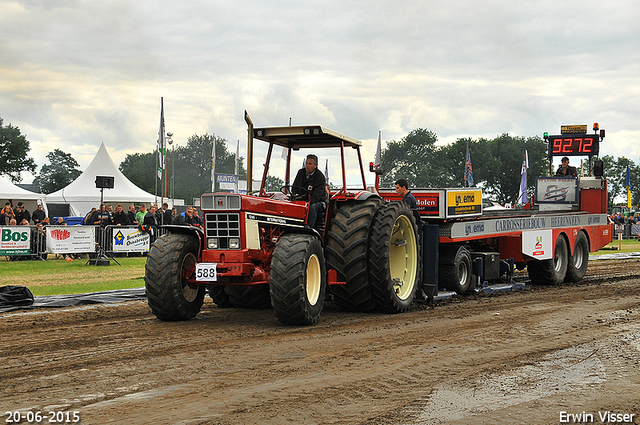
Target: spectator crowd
{"type": "Point", "coordinates": [146, 219]}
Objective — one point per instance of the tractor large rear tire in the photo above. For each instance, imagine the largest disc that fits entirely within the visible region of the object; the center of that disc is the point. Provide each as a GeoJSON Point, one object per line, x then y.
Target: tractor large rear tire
{"type": "Point", "coordinates": [252, 297]}
{"type": "Point", "coordinates": [298, 279]}
{"type": "Point", "coordinates": [219, 296]}
{"type": "Point", "coordinates": [394, 257]}
{"type": "Point", "coordinates": [553, 270]}
{"type": "Point", "coordinates": [347, 253]}
{"type": "Point", "coordinates": [578, 262]}
{"type": "Point", "coordinates": [170, 261]}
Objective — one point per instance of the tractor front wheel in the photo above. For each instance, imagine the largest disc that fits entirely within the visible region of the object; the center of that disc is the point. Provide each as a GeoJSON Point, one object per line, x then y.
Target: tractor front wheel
{"type": "Point", "coordinates": [298, 279]}
{"type": "Point", "coordinates": [170, 262]}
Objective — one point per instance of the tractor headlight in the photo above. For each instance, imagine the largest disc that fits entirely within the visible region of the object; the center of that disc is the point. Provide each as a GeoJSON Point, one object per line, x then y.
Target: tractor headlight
{"type": "Point", "coordinates": [234, 243]}
{"type": "Point", "coordinates": [212, 243]}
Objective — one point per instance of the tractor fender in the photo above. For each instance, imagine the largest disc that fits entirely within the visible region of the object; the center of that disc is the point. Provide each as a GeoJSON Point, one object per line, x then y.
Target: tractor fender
{"type": "Point", "coordinates": [197, 232]}
{"type": "Point", "coordinates": [363, 195]}
{"type": "Point", "coordinates": [306, 230]}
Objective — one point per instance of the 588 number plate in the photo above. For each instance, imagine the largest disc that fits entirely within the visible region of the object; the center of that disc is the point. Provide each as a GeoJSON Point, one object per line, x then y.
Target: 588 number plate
{"type": "Point", "coordinates": [206, 272]}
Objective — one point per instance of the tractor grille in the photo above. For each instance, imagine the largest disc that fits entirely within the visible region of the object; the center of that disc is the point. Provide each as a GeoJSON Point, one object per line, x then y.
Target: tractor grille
{"type": "Point", "coordinates": [223, 227]}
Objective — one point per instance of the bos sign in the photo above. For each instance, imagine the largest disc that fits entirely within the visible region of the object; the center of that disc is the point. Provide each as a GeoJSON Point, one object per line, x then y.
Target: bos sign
{"type": "Point", "coordinates": [15, 240]}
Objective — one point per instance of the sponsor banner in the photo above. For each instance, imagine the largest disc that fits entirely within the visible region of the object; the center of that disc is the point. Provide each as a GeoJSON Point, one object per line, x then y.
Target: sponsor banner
{"type": "Point", "coordinates": [70, 239]}
{"type": "Point", "coordinates": [562, 190]}
{"type": "Point", "coordinates": [464, 202]}
{"type": "Point", "coordinates": [227, 181]}
{"type": "Point", "coordinates": [497, 226]}
{"type": "Point", "coordinates": [15, 240]}
{"type": "Point", "coordinates": [130, 240]}
{"type": "Point", "coordinates": [426, 203]}
{"type": "Point", "coordinates": [538, 244]}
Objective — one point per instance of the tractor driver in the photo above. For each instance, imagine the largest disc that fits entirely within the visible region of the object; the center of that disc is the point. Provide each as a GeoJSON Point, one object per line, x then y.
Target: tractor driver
{"type": "Point", "coordinates": [310, 182]}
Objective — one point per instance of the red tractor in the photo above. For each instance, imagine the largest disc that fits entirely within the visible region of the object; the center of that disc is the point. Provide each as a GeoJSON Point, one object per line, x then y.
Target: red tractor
{"type": "Point", "coordinates": [257, 251]}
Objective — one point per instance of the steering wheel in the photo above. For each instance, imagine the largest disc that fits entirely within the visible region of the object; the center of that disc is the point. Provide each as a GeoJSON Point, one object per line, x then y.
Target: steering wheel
{"type": "Point", "coordinates": [302, 195]}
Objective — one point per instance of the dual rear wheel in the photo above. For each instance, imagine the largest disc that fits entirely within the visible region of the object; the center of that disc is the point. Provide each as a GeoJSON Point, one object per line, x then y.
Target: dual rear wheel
{"type": "Point", "coordinates": [563, 267]}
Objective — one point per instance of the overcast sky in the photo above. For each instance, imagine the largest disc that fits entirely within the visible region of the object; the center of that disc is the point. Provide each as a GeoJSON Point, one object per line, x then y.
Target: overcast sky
{"type": "Point", "coordinates": [77, 73]}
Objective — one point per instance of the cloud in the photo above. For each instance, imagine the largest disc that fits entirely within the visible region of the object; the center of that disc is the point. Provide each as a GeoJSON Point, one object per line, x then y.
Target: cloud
{"type": "Point", "coordinates": [77, 73]}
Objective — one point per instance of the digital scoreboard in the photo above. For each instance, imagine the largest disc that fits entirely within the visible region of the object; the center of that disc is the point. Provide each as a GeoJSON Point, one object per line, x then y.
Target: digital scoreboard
{"type": "Point", "coordinates": [574, 144]}
{"type": "Point", "coordinates": [575, 141]}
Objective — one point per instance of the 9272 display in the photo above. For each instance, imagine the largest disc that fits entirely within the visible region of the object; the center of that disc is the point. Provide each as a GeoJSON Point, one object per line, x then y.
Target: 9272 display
{"type": "Point", "coordinates": [579, 144]}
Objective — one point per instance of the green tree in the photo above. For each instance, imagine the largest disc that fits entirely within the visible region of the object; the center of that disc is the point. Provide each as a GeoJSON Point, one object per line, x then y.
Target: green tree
{"type": "Point", "coordinates": [189, 165]}
{"type": "Point", "coordinates": [496, 163]}
{"type": "Point", "coordinates": [273, 184]}
{"type": "Point", "coordinates": [140, 168]}
{"type": "Point", "coordinates": [615, 171]}
{"type": "Point", "coordinates": [61, 170]}
{"type": "Point", "coordinates": [503, 165]}
{"type": "Point", "coordinates": [14, 147]}
{"type": "Point", "coordinates": [193, 165]}
{"type": "Point", "coordinates": [412, 157]}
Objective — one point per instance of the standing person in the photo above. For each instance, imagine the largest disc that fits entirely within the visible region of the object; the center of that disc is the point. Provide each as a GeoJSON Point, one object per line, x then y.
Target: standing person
{"type": "Point", "coordinates": [309, 184]}
{"type": "Point", "coordinates": [149, 222]}
{"type": "Point", "coordinates": [6, 216]}
{"type": "Point", "coordinates": [197, 221]}
{"type": "Point", "coordinates": [121, 218]}
{"type": "Point", "coordinates": [166, 214]}
{"type": "Point", "coordinates": [38, 215]}
{"type": "Point", "coordinates": [22, 213]}
{"type": "Point", "coordinates": [102, 218]}
{"type": "Point", "coordinates": [142, 211]}
{"type": "Point", "coordinates": [566, 170]}
{"type": "Point", "coordinates": [402, 189]}
{"type": "Point", "coordinates": [88, 219]}
{"type": "Point", "coordinates": [132, 215]}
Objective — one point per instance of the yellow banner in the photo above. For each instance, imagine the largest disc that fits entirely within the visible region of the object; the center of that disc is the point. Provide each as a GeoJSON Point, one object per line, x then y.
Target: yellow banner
{"type": "Point", "coordinates": [460, 202]}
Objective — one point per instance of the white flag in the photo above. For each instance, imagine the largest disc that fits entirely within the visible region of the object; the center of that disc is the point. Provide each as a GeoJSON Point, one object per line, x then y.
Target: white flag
{"type": "Point", "coordinates": [326, 171]}
{"type": "Point", "coordinates": [378, 159]}
{"type": "Point", "coordinates": [162, 148]}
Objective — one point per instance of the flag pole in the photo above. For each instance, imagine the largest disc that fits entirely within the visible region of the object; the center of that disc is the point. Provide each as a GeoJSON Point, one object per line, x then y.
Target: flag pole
{"type": "Point", "coordinates": [236, 167]}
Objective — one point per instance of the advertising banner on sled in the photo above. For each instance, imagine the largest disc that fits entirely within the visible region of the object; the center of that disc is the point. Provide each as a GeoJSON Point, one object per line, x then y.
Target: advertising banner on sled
{"type": "Point", "coordinates": [15, 240]}
{"type": "Point", "coordinates": [130, 240]}
{"type": "Point", "coordinates": [70, 239]}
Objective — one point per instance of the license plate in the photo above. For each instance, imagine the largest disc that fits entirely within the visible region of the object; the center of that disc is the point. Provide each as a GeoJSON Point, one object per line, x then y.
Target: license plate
{"type": "Point", "coordinates": [206, 272]}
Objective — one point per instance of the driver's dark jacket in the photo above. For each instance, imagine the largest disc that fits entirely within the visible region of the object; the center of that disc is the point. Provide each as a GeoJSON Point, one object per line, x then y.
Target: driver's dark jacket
{"type": "Point", "coordinates": [313, 183]}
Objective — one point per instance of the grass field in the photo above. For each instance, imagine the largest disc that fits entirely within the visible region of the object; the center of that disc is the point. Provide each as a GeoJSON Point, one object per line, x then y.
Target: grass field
{"type": "Point", "coordinates": [58, 277]}
{"type": "Point", "coordinates": [626, 245]}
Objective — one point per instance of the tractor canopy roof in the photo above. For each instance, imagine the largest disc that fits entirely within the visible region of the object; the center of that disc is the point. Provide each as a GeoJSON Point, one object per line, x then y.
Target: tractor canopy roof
{"type": "Point", "coordinates": [304, 136]}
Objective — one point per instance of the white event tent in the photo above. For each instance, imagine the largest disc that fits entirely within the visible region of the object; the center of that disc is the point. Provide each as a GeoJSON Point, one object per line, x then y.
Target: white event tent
{"type": "Point", "coordinates": [15, 194]}
{"type": "Point", "coordinates": [81, 195]}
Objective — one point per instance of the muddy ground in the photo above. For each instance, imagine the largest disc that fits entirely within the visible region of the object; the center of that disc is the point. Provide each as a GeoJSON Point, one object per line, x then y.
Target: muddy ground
{"type": "Point", "coordinates": [512, 358]}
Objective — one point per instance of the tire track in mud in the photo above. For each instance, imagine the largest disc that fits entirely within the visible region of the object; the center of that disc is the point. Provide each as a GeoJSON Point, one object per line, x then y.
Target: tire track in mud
{"type": "Point", "coordinates": [232, 366]}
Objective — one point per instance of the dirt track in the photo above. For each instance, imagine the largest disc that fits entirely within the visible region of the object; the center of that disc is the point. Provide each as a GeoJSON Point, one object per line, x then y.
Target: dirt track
{"type": "Point", "coordinates": [520, 357]}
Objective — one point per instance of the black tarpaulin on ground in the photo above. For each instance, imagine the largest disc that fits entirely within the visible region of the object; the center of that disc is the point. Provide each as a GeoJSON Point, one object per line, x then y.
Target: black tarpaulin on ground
{"type": "Point", "coordinates": [54, 301]}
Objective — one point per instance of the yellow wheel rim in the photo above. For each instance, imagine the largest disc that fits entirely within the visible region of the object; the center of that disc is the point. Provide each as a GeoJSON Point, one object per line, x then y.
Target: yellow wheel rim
{"type": "Point", "coordinates": [314, 279]}
{"type": "Point", "coordinates": [403, 257]}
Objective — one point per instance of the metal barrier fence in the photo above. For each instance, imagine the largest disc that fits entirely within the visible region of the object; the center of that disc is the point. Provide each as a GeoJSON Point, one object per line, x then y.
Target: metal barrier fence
{"type": "Point", "coordinates": [627, 230]}
{"type": "Point", "coordinates": [36, 243]}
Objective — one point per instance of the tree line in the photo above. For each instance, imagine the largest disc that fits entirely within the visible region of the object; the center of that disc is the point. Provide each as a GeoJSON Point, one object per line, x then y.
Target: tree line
{"type": "Point", "coordinates": [496, 165]}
